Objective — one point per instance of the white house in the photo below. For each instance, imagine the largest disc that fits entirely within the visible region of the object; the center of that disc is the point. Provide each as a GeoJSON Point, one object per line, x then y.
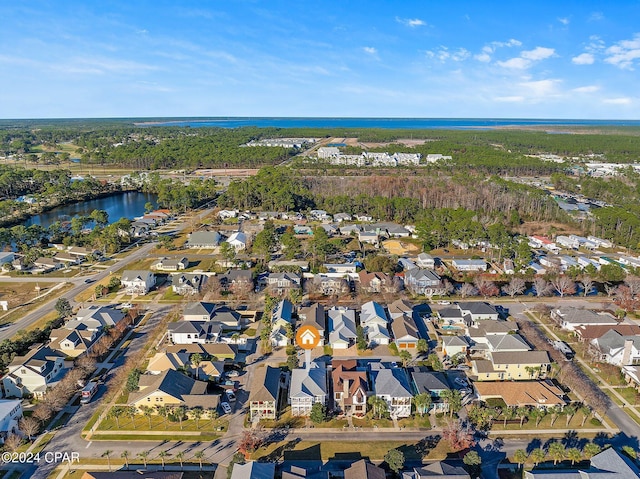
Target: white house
{"type": "Point", "coordinates": [469, 264]}
{"type": "Point", "coordinates": [138, 282]}
{"type": "Point", "coordinates": [10, 415]}
{"type": "Point", "coordinates": [33, 373]}
{"type": "Point", "coordinates": [571, 318]}
{"type": "Point", "coordinates": [308, 386]}
{"type": "Point", "coordinates": [392, 385]}
{"type": "Point", "coordinates": [342, 327]}
{"type": "Point", "coordinates": [425, 261]}
{"type": "Point", "coordinates": [617, 349]}
{"type": "Point", "coordinates": [374, 322]}
{"type": "Point", "coordinates": [238, 240]}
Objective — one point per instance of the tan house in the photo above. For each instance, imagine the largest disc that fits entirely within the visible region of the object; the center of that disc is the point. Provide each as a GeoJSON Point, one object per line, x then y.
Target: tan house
{"type": "Point", "coordinates": [521, 365]}
{"type": "Point", "coordinates": [172, 388]}
{"type": "Point", "coordinates": [350, 388]}
{"type": "Point", "coordinates": [540, 394]}
{"type": "Point", "coordinates": [72, 342]}
{"type": "Point", "coordinates": [374, 282]}
{"type": "Point", "coordinates": [222, 351]}
{"type": "Point", "coordinates": [265, 394]}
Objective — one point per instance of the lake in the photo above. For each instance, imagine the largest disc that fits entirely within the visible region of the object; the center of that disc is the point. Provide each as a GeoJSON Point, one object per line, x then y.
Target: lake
{"type": "Point", "coordinates": [120, 205]}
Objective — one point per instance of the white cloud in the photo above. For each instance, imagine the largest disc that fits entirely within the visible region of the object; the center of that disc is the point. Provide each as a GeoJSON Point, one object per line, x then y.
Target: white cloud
{"type": "Point", "coordinates": [541, 88]}
{"type": "Point", "coordinates": [586, 89]}
{"type": "Point", "coordinates": [443, 54]}
{"type": "Point", "coordinates": [411, 22]}
{"type": "Point", "coordinates": [564, 21]}
{"type": "Point", "coordinates": [370, 50]}
{"type": "Point", "coordinates": [487, 50]}
{"type": "Point", "coordinates": [624, 53]}
{"type": "Point", "coordinates": [510, 99]}
{"type": "Point", "coordinates": [583, 59]}
{"type": "Point", "coordinates": [515, 63]}
{"type": "Point", "coordinates": [617, 101]}
{"type": "Point", "coordinates": [483, 57]}
{"type": "Point", "coordinates": [538, 53]}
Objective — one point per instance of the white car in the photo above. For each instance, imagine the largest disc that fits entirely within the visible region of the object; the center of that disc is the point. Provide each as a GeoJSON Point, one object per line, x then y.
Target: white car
{"type": "Point", "coordinates": [230, 396]}
{"type": "Point", "coordinates": [233, 373]}
{"type": "Point", "coordinates": [225, 407]}
{"type": "Point", "coordinates": [445, 303]}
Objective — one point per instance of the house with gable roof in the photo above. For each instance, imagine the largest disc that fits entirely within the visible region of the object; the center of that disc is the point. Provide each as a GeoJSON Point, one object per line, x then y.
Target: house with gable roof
{"type": "Point", "coordinates": [375, 322]}
{"type": "Point", "coordinates": [187, 284]}
{"type": "Point", "coordinates": [342, 327]}
{"type": "Point", "coordinates": [392, 385]}
{"type": "Point", "coordinates": [617, 349]}
{"type": "Point", "coordinates": [314, 315]}
{"type": "Point", "coordinates": [171, 388]}
{"type": "Point", "coordinates": [137, 282]}
{"type": "Point", "coordinates": [307, 387]}
{"type": "Point", "coordinates": [34, 373]}
{"type": "Point", "coordinates": [350, 387]}
{"type": "Point", "coordinates": [608, 464]}
{"type": "Point", "coordinates": [265, 393]}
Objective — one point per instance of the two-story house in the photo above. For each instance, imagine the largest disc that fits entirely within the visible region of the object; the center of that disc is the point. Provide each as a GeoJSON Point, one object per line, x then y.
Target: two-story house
{"type": "Point", "coordinates": [35, 372]}
{"type": "Point", "coordinates": [281, 321]}
{"type": "Point", "coordinates": [187, 284]}
{"type": "Point", "coordinates": [265, 393]}
{"type": "Point", "coordinates": [171, 264]}
{"type": "Point", "coordinates": [521, 365]}
{"type": "Point", "coordinates": [281, 283]}
{"type": "Point", "coordinates": [314, 315]}
{"type": "Point", "coordinates": [424, 282]}
{"type": "Point", "coordinates": [350, 387]}
{"type": "Point", "coordinates": [392, 385]}
{"type": "Point", "coordinates": [10, 415]}
{"type": "Point", "coordinates": [617, 349]}
{"type": "Point", "coordinates": [137, 282]}
{"type": "Point", "coordinates": [433, 383]}
{"type": "Point", "coordinates": [405, 332]}
{"type": "Point", "coordinates": [374, 322]}
{"type": "Point", "coordinates": [376, 282]}
{"type": "Point", "coordinates": [236, 279]}
{"type": "Point", "coordinates": [216, 313]}
{"type": "Point", "coordinates": [190, 332]}
{"type": "Point", "coordinates": [330, 285]}
{"type": "Point", "coordinates": [307, 387]}
{"type": "Point", "coordinates": [342, 327]}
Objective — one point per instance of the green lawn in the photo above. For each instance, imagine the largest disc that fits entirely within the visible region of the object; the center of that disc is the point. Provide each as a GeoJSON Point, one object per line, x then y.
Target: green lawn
{"type": "Point", "coordinates": [629, 394]}
{"type": "Point", "coordinates": [545, 423]}
{"type": "Point", "coordinates": [159, 423]}
{"type": "Point", "coordinates": [204, 436]}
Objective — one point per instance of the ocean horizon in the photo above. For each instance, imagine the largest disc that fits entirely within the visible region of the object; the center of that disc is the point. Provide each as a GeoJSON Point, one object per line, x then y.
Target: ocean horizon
{"type": "Point", "coordinates": [383, 123]}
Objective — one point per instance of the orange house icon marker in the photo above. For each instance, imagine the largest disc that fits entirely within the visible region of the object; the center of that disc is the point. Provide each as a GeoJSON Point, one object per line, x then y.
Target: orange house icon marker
{"type": "Point", "coordinates": [307, 337]}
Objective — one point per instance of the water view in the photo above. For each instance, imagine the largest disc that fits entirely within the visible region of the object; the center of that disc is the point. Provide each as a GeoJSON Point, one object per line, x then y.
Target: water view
{"type": "Point", "coordinates": [121, 205]}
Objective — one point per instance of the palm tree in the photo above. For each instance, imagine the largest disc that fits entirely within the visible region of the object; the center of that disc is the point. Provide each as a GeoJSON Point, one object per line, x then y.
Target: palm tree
{"type": "Point", "coordinates": [557, 452]}
{"type": "Point", "coordinates": [574, 455]}
{"type": "Point", "coordinates": [555, 413]}
{"type": "Point", "coordinates": [143, 455]}
{"type": "Point", "coordinates": [508, 413]}
{"type": "Point", "coordinates": [162, 455]}
{"type": "Point", "coordinates": [213, 414]}
{"type": "Point", "coordinates": [591, 449]}
{"type": "Point", "coordinates": [378, 405]}
{"type": "Point", "coordinates": [570, 411]}
{"type": "Point", "coordinates": [148, 412]}
{"type": "Point", "coordinates": [197, 413]}
{"type": "Point", "coordinates": [179, 412]}
{"type": "Point", "coordinates": [125, 456]}
{"type": "Point", "coordinates": [115, 413]}
{"type": "Point", "coordinates": [132, 411]}
{"type": "Point", "coordinates": [422, 402]}
{"type": "Point", "coordinates": [522, 412]}
{"type": "Point", "coordinates": [453, 399]}
{"type": "Point", "coordinates": [164, 412]}
{"type": "Point", "coordinates": [586, 412]}
{"type": "Point", "coordinates": [199, 456]}
{"type": "Point", "coordinates": [180, 457]}
{"type": "Point", "coordinates": [520, 456]}
{"type": "Point", "coordinates": [107, 454]}
{"type": "Point", "coordinates": [538, 455]}
{"type": "Point", "coordinates": [196, 359]}
{"type": "Point", "coordinates": [538, 414]}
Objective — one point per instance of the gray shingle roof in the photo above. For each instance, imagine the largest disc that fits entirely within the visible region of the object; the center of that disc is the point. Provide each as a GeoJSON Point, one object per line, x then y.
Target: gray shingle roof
{"type": "Point", "coordinates": [392, 382]}
{"type": "Point", "coordinates": [266, 384]}
{"type": "Point", "coordinates": [308, 383]}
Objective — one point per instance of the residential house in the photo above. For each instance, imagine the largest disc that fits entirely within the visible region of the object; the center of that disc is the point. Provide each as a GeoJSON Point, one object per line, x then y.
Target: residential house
{"type": "Point", "coordinates": [390, 230]}
{"type": "Point", "coordinates": [307, 387]}
{"type": "Point", "coordinates": [162, 361]}
{"type": "Point", "coordinates": [400, 307]}
{"type": "Point", "coordinates": [67, 259]}
{"type": "Point", "coordinates": [392, 385]}
{"type": "Point", "coordinates": [374, 322]}
{"type": "Point", "coordinates": [222, 351]}
{"type": "Point", "coordinates": [435, 470]}
{"type": "Point", "coordinates": [236, 279]}
{"type": "Point", "coordinates": [10, 415]}
{"type": "Point", "coordinates": [281, 321]}
{"type": "Point", "coordinates": [426, 261]}
{"type": "Point", "coordinates": [217, 313]}
{"type": "Point", "coordinates": [342, 327]}
{"type": "Point", "coordinates": [468, 314]}
{"type": "Point", "coordinates": [469, 264]}
{"type": "Point", "coordinates": [424, 282]}
{"type": "Point", "coordinates": [7, 257]}
{"type": "Point", "coordinates": [350, 230]}
{"type": "Point", "coordinates": [432, 383]}
{"type": "Point", "coordinates": [95, 318]}
{"type": "Point", "coordinates": [330, 285]}
{"type": "Point", "coordinates": [405, 332]}
{"type": "Point", "coordinates": [254, 470]}
{"type": "Point", "coordinates": [190, 332]}
{"type": "Point", "coordinates": [454, 345]}
{"type": "Point", "coordinates": [226, 214]}
{"type": "Point", "coordinates": [264, 396]}
{"type": "Point", "coordinates": [171, 264]}
{"type": "Point", "coordinates": [204, 240]}
{"type": "Point", "coordinates": [38, 370]}
{"type": "Point", "coordinates": [72, 342]}
{"type": "Point", "coordinates": [522, 365]}
{"type": "Point", "coordinates": [83, 253]}
{"type": "Point", "coordinates": [376, 282]}
{"type": "Point", "coordinates": [171, 388]}
{"type": "Point", "coordinates": [617, 349]}
{"type": "Point", "coordinates": [608, 464]}
{"type": "Point", "coordinates": [406, 264]}
{"type": "Point", "coordinates": [137, 282]}
{"type": "Point", "coordinates": [314, 315]}
{"type": "Point", "coordinates": [340, 217]}
{"type": "Point", "coordinates": [480, 333]}
{"type": "Point", "coordinates": [47, 264]}
{"type": "Point", "coordinates": [281, 283]}
{"type": "Point", "coordinates": [350, 387]}
{"type": "Point", "coordinates": [539, 394]}
{"type": "Point", "coordinates": [507, 343]}
{"type": "Point", "coordinates": [571, 318]}
{"type": "Point", "coordinates": [238, 240]}
{"type": "Point", "coordinates": [363, 469]}
{"type": "Point", "coordinates": [366, 237]}
{"type": "Point", "coordinates": [589, 333]}
{"type": "Point", "coordinates": [187, 284]}
{"type": "Point", "coordinates": [342, 268]}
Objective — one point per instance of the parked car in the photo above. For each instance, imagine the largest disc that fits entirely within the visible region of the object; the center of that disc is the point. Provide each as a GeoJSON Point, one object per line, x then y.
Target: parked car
{"type": "Point", "coordinates": [463, 367]}
{"type": "Point", "coordinates": [445, 303]}
{"type": "Point", "coordinates": [225, 407]}
{"type": "Point", "coordinates": [460, 382]}
{"type": "Point", "coordinates": [233, 373]}
{"type": "Point", "coordinates": [230, 395]}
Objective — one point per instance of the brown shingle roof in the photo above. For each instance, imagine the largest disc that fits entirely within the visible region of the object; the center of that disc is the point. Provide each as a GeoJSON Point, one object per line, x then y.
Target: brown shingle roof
{"type": "Point", "coordinates": [521, 393]}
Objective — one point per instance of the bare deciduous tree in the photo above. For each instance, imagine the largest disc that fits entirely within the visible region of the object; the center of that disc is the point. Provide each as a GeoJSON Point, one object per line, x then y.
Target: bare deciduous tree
{"type": "Point", "coordinates": [542, 287]}
{"type": "Point", "coordinates": [486, 287]}
{"type": "Point", "coordinates": [29, 426]}
{"type": "Point", "coordinates": [12, 442]}
{"type": "Point", "coordinates": [515, 286]}
{"type": "Point", "coordinates": [467, 289]}
{"type": "Point", "coordinates": [587, 284]}
{"type": "Point", "coordinates": [563, 285]}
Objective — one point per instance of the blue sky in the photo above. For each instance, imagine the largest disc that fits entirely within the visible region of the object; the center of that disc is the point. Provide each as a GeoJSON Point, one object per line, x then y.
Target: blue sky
{"type": "Point", "coordinates": [543, 59]}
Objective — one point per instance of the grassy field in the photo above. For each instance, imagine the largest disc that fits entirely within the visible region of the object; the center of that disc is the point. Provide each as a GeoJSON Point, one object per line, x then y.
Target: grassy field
{"type": "Point", "coordinates": [159, 423]}
{"type": "Point", "coordinates": [374, 450]}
